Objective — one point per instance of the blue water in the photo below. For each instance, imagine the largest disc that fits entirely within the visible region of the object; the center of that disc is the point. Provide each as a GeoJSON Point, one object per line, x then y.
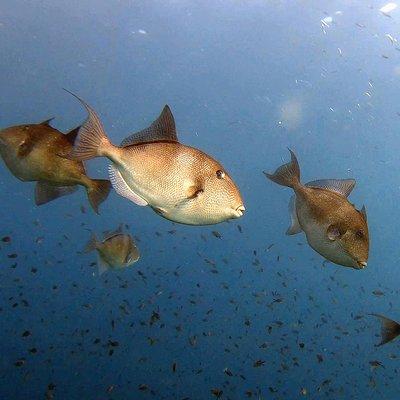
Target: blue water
{"type": "Point", "coordinates": [245, 80]}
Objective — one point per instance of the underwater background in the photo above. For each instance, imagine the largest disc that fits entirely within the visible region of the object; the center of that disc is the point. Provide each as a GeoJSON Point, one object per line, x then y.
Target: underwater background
{"type": "Point", "coordinates": [253, 313]}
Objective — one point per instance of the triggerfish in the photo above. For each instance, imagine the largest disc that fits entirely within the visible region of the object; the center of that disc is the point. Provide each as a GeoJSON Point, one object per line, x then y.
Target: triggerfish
{"type": "Point", "coordinates": [36, 152]}
{"type": "Point", "coordinates": [333, 226]}
{"type": "Point", "coordinates": [116, 251]}
{"type": "Point", "coordinates": [152, 167]}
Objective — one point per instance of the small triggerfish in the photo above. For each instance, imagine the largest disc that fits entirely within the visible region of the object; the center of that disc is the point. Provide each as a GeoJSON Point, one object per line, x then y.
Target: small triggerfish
{"type": "Point", "coordinates": [116, 251]}
{"type": "Point", "coordinates": [333, 226]}
{"type": "Point", "coordinates": [36, 152]}
{"type": "Point", "coordinates": [152, 167]}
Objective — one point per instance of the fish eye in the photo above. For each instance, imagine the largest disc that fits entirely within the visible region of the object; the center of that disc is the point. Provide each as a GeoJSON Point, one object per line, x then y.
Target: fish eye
{"type": "Point", "coordinates": [220, 174]}
{"type": "Point", "coordinates": [360, 234]}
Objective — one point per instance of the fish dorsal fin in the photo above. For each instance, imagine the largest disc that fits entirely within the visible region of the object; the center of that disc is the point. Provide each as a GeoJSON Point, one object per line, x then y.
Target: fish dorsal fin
{"type": "Point", "coordinates": [109, 234]}
{"type": "Point", "coordinates": [339, 186]}
{"type": "Point", "coordinates": [294, 221]}
{"type": "Point", "coordinates": [163, 128]}
{"type": "Point", "coordinates": [71, 135]}
{"type": "Point", "coordinates": [389, 329]}
{"type": "Point", "coordinates": [363, 212]}
{"type": "Point", "coordinates": [46, 122]}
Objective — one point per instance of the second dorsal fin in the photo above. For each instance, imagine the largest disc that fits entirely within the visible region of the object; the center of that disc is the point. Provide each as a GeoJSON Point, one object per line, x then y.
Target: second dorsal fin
{"type": "Point", "coordinates": [340, 186]}
{"type": "Point", "coordinates": [46, 122]}
{"type": "Point", "coordinates": [163, 128]}
{"type": "Point", "coordinates": [71, 135]}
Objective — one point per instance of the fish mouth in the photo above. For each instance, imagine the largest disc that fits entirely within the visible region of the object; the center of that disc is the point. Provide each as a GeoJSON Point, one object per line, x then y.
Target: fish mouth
{"type": "Point", "coordinates": [361, 264]}
{"type": "Point", "coordinates": [239, 211]}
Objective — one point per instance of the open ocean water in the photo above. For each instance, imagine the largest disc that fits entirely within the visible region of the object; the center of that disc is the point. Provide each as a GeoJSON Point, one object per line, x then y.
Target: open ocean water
{"type": "Point", "coordinates": [232, 311]}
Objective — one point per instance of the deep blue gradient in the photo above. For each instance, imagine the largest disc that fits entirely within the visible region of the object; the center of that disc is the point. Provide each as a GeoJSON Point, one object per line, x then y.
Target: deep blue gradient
{"type": "Point", "coordinates": [245, 80]}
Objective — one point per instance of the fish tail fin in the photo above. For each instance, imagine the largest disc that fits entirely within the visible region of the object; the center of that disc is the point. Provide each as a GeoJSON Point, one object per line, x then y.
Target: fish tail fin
{"type": "Point", "coordinates": [97, 192]}
{"type": "Point", "coordinates": [389, 329]}
{"type": "Point", "coordinates": [91, 244]}
{"type": "Point", "coordinates": [91, 140]}
{"type": "Point", "coordinates": [287, 174]}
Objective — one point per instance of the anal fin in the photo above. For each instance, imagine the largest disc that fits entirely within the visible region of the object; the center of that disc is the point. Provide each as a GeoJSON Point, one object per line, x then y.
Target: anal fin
{"type": "Point", "coordinates": [102, 266]}
{"type": "Point", "coordinates": [122, 188]}
{"type": "Point", "coordinates": [294, 227]}
{"type": "Point", "coordinates": [44, 192]}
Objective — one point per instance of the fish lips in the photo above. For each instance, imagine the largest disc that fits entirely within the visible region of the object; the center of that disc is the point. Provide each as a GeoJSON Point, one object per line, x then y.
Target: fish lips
{"type": "Point", "coordinates": [361, 264]}
{"type": "Point", "coordinates": [238, 212]}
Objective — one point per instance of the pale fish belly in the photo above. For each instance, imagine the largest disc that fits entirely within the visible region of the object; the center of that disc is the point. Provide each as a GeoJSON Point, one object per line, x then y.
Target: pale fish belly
{"type": "Point", "coordinates": [158, 187]}
{"type": "Point", "coordinates": [317, 239]}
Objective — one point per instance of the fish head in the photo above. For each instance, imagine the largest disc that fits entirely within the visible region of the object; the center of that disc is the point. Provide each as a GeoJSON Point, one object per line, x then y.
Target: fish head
{"type": "Point", "coordinates": [13, 140]}
{"type": "Point", "coordinates": [352, 241]}
{"type": "Point", "coordinates": [221, 196]}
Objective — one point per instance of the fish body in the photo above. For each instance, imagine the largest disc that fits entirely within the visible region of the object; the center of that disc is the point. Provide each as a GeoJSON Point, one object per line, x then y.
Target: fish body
{"type": "Point", "coordinates": [333, 226]}
{"type": "Point", "coordinates": [37, 152]}
{"type": "Point", "coordinates": [184, 179]}
{"type": "Point", "coordinates": [116, 251]}
{"type": "Point", "coordinates": [151, 167]}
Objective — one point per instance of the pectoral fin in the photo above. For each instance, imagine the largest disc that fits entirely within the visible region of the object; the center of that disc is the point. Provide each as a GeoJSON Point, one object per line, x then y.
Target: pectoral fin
{"type": "Point", "coordinates": [294, 227]}
{"type": "Point", "coordinates": [25, 147]}
{"type": "Point", "coordinates": [333, 232]}
{"type": "Point", "coordinates": [122, 188]}
{"type": "Point", "coordinates": [339, 186]}
{"type": "Point", "coordinates": [193, 193]}
{"type": "Point", "coordinates": [45, 192]}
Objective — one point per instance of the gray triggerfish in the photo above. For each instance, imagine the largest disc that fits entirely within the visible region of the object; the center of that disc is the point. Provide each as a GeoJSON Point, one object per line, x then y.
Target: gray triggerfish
{"type": "Point", "coordinates": [333, 226]}
{"type": "Point", "coordinates": [153, 168]}
{"type": "Point", "coordinates": [116, 251]}
{"type": "Point", "coordinates": [37, 152]}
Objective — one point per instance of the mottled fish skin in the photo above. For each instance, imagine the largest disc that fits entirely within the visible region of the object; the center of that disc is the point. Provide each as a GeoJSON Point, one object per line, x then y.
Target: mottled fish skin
{"type": "Point", "coordinates": [37, 152]}
{"type": "Point", "coordinates": [333, 226]}
{"type": "Point", "coordinates": [179, 182]}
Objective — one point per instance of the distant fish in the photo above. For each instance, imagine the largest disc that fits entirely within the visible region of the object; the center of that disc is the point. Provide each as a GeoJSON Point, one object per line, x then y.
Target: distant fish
{"type": "Point", "coordinates": [36, 153]}
{"type": "Point", "coordinates": [388, 8]}
{"type": "Point", "coordinates": [116, 251]}
{"type": "Point", "coordinates": [389, 329]}
{"type": "Point", "coordinates": [334, 228]}
{"type": "Point", "coordinates": [152, 168]}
